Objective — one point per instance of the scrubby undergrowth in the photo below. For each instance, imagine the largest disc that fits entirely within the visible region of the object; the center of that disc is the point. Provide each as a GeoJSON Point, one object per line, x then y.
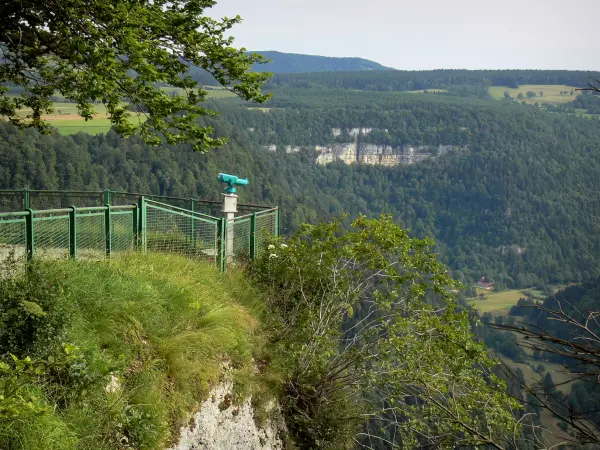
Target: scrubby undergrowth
{"type": "Point", "coordinates": [126, 350]}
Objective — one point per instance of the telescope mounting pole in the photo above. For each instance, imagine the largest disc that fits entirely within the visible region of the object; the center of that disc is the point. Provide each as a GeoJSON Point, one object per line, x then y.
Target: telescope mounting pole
{"type": "Point", "coordinates": [229, 210]}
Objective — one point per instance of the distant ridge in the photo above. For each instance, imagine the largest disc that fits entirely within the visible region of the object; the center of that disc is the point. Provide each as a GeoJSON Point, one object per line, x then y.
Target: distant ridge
{"type": "Point", "coordinates": [298, 63]}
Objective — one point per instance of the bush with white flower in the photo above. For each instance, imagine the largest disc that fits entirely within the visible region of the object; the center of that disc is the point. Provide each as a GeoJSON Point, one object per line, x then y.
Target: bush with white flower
{"type": "Point", "coordinates": [358, 337]}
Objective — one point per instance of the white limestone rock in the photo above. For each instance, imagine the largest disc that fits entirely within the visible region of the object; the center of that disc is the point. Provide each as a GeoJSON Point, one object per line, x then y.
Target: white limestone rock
{"type": "Point", "coordinates": [221, 425]}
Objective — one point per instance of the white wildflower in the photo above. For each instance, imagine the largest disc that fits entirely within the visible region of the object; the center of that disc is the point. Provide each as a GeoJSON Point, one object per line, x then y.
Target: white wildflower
{"type": "Point", "coordinates": [113, 385]}
{"type": "Point", "coordinates": [271, 247]}
{"type": "Point", "coordinates": [283, 246]}
{"type": "Point", "coordinates": [272, 256]}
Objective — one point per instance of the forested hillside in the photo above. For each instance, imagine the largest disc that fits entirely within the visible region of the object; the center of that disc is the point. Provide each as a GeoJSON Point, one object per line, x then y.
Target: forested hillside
{"type": "Point", "coordinates": [399, 80]}
{"type": "Point", "coordinates": [297, 63]}
{"type": "Point", "coordinates": [519, 206]}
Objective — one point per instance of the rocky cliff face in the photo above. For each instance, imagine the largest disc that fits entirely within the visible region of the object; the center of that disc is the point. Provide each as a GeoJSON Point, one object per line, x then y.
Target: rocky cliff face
{"type": "Point", "coordinates": [221, 425]}
{"type": "Point", "coordinates": [374, 154]}
{"type": "Point", "coordinates": [369, 153]}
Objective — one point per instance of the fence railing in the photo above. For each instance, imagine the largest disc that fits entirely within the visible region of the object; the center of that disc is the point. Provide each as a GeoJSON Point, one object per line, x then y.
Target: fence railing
{"type": "Point", "coordinates": [97, 232]}
{"type": "Point", "coordinates": [23, 199]}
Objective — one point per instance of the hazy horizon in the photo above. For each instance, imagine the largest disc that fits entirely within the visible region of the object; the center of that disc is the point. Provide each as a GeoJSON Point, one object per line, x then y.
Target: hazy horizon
{"type": "Point", "coordinates": [425, 35]}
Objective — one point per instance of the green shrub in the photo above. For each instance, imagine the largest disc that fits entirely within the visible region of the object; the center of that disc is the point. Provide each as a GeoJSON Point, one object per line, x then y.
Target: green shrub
{"type": "Point", "coordinates": [369, 330]}
{"type": "Point", "coordinates": [32, 312]}
{"type": "Point", "coordinates": [18, 396]}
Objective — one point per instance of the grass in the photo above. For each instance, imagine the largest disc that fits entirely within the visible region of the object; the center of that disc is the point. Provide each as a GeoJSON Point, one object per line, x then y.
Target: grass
{"type": "Point", "coordinates": [551, 93]}
{"type": "Point", "coordinates": [162, 326]}
{"type": "Point", "coordinates": [499, 303]}
{"type": "Point", "coordinates": [496, 302]}
{"type": "Point", "coordinates": [68, 121]}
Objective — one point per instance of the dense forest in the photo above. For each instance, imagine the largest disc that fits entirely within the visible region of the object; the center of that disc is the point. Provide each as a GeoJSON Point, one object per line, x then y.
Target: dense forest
{"type": "Point", "coordinates": [399, 80]}
{"type": "Point", "coordinates": [519, 205]}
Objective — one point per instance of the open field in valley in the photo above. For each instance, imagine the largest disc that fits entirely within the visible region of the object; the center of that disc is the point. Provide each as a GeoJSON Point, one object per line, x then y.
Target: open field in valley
{"type": "Point", "coordinates": [498, 303]}
{"type": "Point", "coordinates": [68, 121]}
{"type": "Point", "coordinates": [552, 93]}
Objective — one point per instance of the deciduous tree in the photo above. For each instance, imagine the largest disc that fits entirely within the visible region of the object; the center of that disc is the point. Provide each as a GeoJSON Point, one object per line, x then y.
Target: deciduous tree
{"type": "Point", "coordinates": [118, 53]}
{"type": "Point", "coordinates": [372, 336]}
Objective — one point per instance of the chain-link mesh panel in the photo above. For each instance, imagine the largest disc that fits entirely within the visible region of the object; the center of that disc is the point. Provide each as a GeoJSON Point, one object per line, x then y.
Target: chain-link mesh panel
{"type": "Point", "coordinates": [12, 238]}
{"type": "Point", "coordinates": [239, 229]}
{"type": "Point", "coordinates": [265, 229]}
{"type": "Point", "coordinates": [50, 199]}
{"type": "Point", "coordinates": [91, 238]}
{"type": "Point", "coordinates": [244, 210]}
{"type": "Point", "coordinates": [51, 235]}
{"type": "Point", "coordinates": [182, 203]}
{"type": "Point", "coordinates": [177, 231]}
{"type": "Point", "coordinates": [12, 201]}
{"type": "Point", "coordinates": [209, 208]}
{"type": "Point", "coordinates": [121, 231]}
{"type": "Point", "coordinates": [124, 198]}
{"type": "Point", "coordinates": [205, 244]}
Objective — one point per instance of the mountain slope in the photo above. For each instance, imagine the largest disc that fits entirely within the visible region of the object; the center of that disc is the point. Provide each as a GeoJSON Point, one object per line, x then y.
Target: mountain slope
{"type": "Point", "coordinates": [298, 63]}
{"type": "Point", "coordinates": [519, 205]}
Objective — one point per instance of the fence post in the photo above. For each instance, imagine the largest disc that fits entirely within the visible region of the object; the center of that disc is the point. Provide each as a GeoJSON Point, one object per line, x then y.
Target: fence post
{"type": "Point", "coordinates": [277, 221]}
{"type": "Point", "coordinates": [142, 224]}
{"type": "Point", "coordinates": [135, 227]}
{"type": "Point", "coordinates": [26, 199]}
{"type": "Point", "coordinates": [73, 232]}
{"type": "Point", "coordinates": [252, 236]}
{"type": "Point", "coordinates": [30, 246]}
{"type": "Point", "coordinates": [193, 227]}
{"type": "Point", "coordinates": [222, 229]}
{"type": "Point", "coordinates": [107, 197]}
{"type": "Point", "coordinates": [107, 228]}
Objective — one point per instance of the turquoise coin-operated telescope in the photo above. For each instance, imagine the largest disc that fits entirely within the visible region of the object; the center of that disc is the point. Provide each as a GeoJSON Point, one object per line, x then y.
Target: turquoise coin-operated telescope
{"type": "Point", "coordinates": [232, 181]}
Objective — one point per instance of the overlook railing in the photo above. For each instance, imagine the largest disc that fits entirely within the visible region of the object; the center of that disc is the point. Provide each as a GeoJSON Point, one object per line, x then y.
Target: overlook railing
{"type": "Point", "coordinates": [44, 224]}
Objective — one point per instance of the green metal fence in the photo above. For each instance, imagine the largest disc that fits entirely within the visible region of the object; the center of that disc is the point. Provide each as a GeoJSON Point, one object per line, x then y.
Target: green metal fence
{"type": "Point", "coordinates": [97, 232]}
{"type": "Point", "coordinates": [20, 200]}
{"type": "Point", "coordinates": [171, 229]}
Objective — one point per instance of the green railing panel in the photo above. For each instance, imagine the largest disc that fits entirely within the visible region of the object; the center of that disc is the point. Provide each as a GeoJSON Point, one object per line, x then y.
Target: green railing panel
{"type": "Point", "coordinates": [266, 227]}
{"type": "Point", "coordinates": [12, 201]}
{"type": "Point", "coordinates": [170, 230]}
{"type": "Point", "coordinates": [51, 234]}
{"type": "Point", "coordinates": [241, 238]}
{"type": "Point", "coordinates": [91, 239]}
{"type": "Point", "coordinates": [121, 231]}
{"type": "Point", "coordinates": [13, 238]}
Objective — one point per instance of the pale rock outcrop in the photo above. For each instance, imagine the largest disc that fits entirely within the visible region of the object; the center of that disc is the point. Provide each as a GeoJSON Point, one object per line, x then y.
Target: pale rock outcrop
{"type": "Point", "coordinates": [221, 425]}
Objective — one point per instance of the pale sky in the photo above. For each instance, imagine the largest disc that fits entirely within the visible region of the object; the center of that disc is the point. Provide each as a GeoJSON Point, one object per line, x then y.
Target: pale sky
{"type": "Point", "coordinates": [426, 34]}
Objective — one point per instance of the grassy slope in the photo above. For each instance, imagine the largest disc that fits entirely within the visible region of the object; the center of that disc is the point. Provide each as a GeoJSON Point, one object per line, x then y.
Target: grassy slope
{"type": "Point", "coordinates": [551, 93]}
{"type": "Point", "coordinates": [163, 325]}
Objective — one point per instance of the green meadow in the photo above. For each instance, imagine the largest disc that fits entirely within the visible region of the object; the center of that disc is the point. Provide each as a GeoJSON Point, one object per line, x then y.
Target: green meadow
{"type": "Point", "coordinates": [499, 303]}
{"type": "Point", "coordinates": [551, 93]}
